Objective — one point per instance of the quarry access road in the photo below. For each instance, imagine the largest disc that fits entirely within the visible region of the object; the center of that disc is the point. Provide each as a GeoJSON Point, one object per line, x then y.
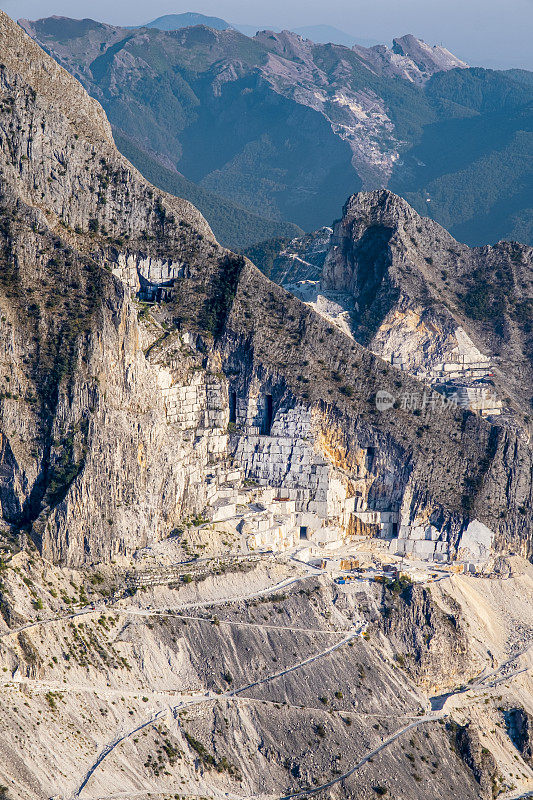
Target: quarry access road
{"type": "Point", "coordinates": [218, 794]}
{"type": "Point", "coordinates": [169, 695]}
{"type": "Point", "coordinates": [310, 660]}
{"type": "Point", "coordinates": [439, 701]}
{"type": "Point", "coordinates": [220, 601]}
{"type": "Point", "coordinates": [481, 683]}
{"type": "Point", "coordinates": [39, 622]}
{"type": "Point", "coordinates": [175, 709]}
{"type": "Point", "coordinates": [101, 608]}
{"type": "Point", "coordinates": [482, 678]}
{"type": "Point", "coordinates": [292, 629]}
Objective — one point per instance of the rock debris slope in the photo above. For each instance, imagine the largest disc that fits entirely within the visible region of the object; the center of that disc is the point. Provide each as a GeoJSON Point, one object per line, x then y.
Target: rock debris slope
{"type": "Point", "coordinates": [257, 701]}
{"type": "Point", "coordinates": [148, 376]}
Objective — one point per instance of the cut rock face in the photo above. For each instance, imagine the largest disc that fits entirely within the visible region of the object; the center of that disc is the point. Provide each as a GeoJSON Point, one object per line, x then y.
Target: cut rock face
{"type": "Point", "coordinates": [429, 305]}
{"type": "Point", "coordinates": [476, 542]}
{"type": "Point", "coordinates": [185, 362]}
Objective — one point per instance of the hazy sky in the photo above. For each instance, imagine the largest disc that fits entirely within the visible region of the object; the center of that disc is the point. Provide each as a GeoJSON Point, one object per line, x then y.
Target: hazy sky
{"type": "Point", "coordinates": [496, 33]}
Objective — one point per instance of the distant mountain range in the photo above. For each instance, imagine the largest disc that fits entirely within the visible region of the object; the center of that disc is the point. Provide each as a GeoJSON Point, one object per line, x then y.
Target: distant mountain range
{"type": "Point", "coordinates": [173, 22]}
{"type": "Point", "coordinates": [286, 128]}
{"type": "Point", "coordinates": [317, 33]}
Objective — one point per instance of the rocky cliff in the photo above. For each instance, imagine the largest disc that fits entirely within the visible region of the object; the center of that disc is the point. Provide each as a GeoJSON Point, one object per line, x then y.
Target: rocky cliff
{"type": "Point", "coordinates": [431, 305]}
{"type": "Point", "coordinates": [458, 318]}
{"type": "Point", "coordinates": [148, 376]}
{"type": "Point", "coordinates": [132, 340]}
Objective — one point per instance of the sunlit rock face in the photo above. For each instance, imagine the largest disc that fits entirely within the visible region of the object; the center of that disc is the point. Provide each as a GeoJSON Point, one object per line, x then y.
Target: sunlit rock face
{"type": "Point", "coordinates": [151, 364]}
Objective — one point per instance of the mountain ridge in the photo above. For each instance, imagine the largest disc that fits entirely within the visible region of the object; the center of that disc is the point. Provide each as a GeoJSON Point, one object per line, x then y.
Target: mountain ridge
{"type": "Point", "coordinates": [175, 429]}
{"type": "Point", "coordinates": [361, 118]}
{"type": "Point", "coordinates": [187, 19]}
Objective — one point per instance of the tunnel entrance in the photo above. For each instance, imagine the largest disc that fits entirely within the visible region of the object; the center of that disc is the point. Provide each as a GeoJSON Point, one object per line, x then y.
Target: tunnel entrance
{"type": "Point", "coordinates": [233, 407]}
{"type": "Point", "coordinates": [267, 415]}
{"type": "Point", "coordinates": [370, 458]}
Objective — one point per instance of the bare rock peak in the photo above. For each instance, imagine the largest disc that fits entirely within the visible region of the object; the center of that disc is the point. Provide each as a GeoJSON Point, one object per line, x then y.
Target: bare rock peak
{"type": "Point", "coordinates": [429, 58]}
{"type": "Point", "coordinates": [285, 42]}
{"type": "Point", "coordinates": [382, 205]}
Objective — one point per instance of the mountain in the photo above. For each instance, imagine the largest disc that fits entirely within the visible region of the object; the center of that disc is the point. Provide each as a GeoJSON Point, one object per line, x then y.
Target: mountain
{"type": "Point", "coordinates": [316, 33]}
{"type": "Point", "coordinates": [230, 112]}
{"type": "Point", "coordinates": [429, 59]}
{"type": "Point", "coordinates": [460, 319]}
{"type": "Point", "coordinates": [328, 33]}
{"type": "Point", "coordinates": [193, 465]}
{"type": "Point", "coordinates": [233, 225]}
{"type": "Point", "coordinates": [161, 249]}
{"type": "Point", "coordinates": [474, 175]}
{"type": "Point", "coordinates": [173, 22]}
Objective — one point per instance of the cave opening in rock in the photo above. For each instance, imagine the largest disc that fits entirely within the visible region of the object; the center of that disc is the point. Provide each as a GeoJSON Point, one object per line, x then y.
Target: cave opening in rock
{"type": "Point", "coordinates": [268, 415]}
{"type": "Point", "coordinates": [233, 407]}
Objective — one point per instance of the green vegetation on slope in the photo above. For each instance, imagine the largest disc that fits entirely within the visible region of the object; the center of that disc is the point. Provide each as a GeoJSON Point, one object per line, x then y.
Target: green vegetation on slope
{"type": "Point", "coordinates": [234, 227]}
{"type": "Point", "coordinates": [265, 253]}
{"type": "Point", "coordinates": [471, 169]}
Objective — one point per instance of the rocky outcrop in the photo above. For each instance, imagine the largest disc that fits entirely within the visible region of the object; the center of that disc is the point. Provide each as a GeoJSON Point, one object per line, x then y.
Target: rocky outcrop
{"type": "Point", "coordinates": [429, 644]}
{"type": "Point", "coordinates": [477, 758]}
{"type": "Point", "coordinates": [449, 314]}
{"type": "Point", "coordinates": [520, 729]}
{"type": "Point", "coordinates": [132, 341]}
{"type": "Point", "coordinates": [431, 307]}
{"type": "Point", "coordinates": [96, 398]}
{"type": "Point", "coordinates": [429, 59]}
{"type": "Point", "coordinates": [410, 59]}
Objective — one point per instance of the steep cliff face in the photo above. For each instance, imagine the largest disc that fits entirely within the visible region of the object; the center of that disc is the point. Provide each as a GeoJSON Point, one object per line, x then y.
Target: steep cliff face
{"type": "Point", "coordinates": [403, 460]}
{"type": "Point", "coordinates": [83, 395]}
{"type": "Point", "coordinates": [432, 306]}
{"type": "Point", "coordinates": [480, 761]}
{"type": "Point", "coordinates": [132, 340]}
{"type": "Point", "coordinates": [520, 729]}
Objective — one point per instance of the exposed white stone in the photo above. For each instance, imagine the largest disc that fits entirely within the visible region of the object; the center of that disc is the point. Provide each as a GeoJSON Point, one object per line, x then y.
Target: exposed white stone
{"type": "Point", "coordinates": [476, 542]}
